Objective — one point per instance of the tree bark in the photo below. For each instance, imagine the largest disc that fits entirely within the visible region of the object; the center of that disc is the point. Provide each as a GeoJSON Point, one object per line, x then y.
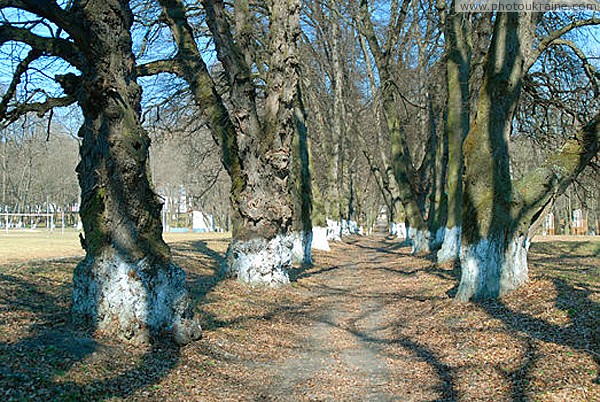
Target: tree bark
{"type": "Point", "coordinates": [487, 222]}
{"type": "Point", "coordinates": [127, 285]}
{"type": "Point", "coordinates": [302, 224]}
{"type": "Point", "coordinates": [456, 127]}
{"type": "Point", "coordinates": [256, 150]}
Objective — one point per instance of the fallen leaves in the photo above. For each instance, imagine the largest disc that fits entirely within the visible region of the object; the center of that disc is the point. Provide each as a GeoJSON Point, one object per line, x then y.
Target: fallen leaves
{"type": "Point", "coordinates": [368, 321]}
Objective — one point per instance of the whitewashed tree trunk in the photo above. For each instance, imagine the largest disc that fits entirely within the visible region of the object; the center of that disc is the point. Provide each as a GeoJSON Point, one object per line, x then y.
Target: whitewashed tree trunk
{"type": "Point", "coordinates": [319, 238]}
{"type": "Point", "coordinates": [136, 301]}
{"type": "Point", "coordinates": [301, 247]}
{"type": "Point", "coordinates": [492, 268]}
{"type": "Point", "coordinates": [420, 240]}
{"type": "Point", "coordinates": [127, 286]}
{"type": "Point", "coordinates": [259, 261]}
{"type": "Point", "coordinates": [450, 250]}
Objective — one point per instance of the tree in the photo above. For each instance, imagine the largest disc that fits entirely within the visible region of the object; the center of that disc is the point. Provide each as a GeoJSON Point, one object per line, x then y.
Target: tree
{"type": "Point", "coordinates": [458, 69]}
{"type": "Point", "coordinates": [254, 127]}
{"type": "Point", "coordinates": [127, 285]}
{"type": "Point", "coordinates": [499, 214]}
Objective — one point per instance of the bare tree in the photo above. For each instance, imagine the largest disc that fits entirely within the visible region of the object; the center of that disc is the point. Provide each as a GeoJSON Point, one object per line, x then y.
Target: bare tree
{"type": "Point", "coordinates": [127, 285]}
{"type": "Point", "coordinates": [254, 127]}
{"type": "Point", "coordinates": [499, 214]}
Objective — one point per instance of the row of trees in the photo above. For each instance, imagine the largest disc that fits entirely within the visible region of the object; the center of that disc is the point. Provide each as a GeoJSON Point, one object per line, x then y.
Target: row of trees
{"type": "Point", "coordinates": [318, 110]}
{"type": "Point", "coordinates": [36, 174]}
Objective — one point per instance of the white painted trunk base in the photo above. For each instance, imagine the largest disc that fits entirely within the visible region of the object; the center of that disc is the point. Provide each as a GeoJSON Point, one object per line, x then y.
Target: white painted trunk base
{"type": "Point", "coordinates": [491, 269]}
{"type": "Point", "coordinates": [134, 301]}
{"type": "Point", "coordinates": [398, 230]}
{"type": "Point", "coordinates": [261, 261]}
{"type": "Point", "coordinates": [450, 250]}
{"type": "Point", "coordinates": [437, 240]}
{"type": "Point", "coordinates": [419, 240]}
{"type": "Point", "coordinates": [301, 247]}
{"type": "Point", "coordinates": [319, 238]}
{"type": "Point", "coordinates": [334, 230]}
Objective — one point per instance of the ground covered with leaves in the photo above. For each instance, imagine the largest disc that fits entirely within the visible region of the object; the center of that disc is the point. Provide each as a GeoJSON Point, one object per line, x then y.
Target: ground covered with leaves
{"type": "Point", "coordinates": [367, 322]}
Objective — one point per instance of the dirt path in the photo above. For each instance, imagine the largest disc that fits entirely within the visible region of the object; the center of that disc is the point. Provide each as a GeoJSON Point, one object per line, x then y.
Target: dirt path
{"type": "Point", "coordinates": [345, 324]}
{"type": "Point", "coordinates": [342, 338]}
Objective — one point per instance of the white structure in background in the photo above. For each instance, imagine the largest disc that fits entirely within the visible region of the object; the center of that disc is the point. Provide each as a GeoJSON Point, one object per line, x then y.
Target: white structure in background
{"type": "Point", "coordinates": [202, 223]}
{"type": "Point", "coordinates": [549, 225]}
{"type": "Point", "coordinates": [319, 240]}
{"type": "Point", "coordinates": [398, 230]}
{"type": "Point", "coordinates": [578, 218]}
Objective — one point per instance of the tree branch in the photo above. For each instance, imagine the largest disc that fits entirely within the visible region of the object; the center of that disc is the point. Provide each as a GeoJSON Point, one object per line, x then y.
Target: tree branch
{"type": "Point", "coordinates": [554, 35]}
{"type": "Point", "coordinates": [369, 33]}
{"type": "Point", "coordinates": [16, 80]}
{"type": "Point", "coordinates": [51, 46]}
{"type": "Point", "coordinates": [590, 71]}
{"type": "Point", "coordinates": [544, 185]}
{"type": "Point", "coordinates": [159, 66]}
{"type": "Point", "coordinates": [195, 72]}
{"type": "Point", "coordinates": [227, 51]}
{"type": "Point", "coordinates": [41, 108]}
{"type": "Point", "coordinates": [49, 10]}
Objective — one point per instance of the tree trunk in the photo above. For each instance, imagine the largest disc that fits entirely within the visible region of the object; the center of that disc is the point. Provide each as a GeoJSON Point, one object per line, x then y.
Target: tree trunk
{"type": "Point", "coordinates": [255, 150]}
{"type": "Point", "coordinates": [127, 284]}
{"type": "Point", "coordinates": [418, 233]}
{"type": "Point", "coordinates": [456, 128]}
{"type": "Point", "coordinates": [488, 226]}
{"type": "Point", "coordinates": [499, 215]}
{"type": "Point", "coordinates": [302, 226]}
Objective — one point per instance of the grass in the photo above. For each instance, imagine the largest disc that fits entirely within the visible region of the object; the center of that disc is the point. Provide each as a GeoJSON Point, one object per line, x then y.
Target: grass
{"type": "Point", "coordinates": [26, 245]}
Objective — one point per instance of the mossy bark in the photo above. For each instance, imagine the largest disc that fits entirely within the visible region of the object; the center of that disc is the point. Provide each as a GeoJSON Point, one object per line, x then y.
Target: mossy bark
{"type": "Point", "coordinates": [127, 285]}
{"type": "Point", "coordinates": [487, 222]}
{"type": "Point", "coordinates": [456, 126]}
{"type": "Point", "coordinates": [499, 215]}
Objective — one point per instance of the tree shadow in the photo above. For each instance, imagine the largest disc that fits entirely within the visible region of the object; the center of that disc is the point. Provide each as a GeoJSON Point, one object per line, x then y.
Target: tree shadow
{"type": "Point", "coordinates": [446, 386]}
{"type": "Point", "coordinates": [582, 334]}
{"type": "Point", "coordinates": [34, 367]}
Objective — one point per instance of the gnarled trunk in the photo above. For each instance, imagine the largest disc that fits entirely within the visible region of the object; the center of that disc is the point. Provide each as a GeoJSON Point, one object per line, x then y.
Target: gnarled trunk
{"type": "Point", "coordinates": [127, 285]}
{"type": "Point", "coordinates": [261, 248]}
{"type": "Point", "coordinates": [255, 147]}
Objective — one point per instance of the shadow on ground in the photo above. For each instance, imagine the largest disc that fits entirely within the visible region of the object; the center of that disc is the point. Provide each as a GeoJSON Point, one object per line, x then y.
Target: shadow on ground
{"type": "Point", "coordinates": [45, 357]}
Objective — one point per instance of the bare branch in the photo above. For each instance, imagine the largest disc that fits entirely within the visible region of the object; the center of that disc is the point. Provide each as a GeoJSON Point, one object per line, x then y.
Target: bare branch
{"type": "Point", "coordinates": [369, 33]}
{"type": "Point", "coordinates": [159, 66]}
{"type": "Point", "coordinates": [195, 72]}
{"type": "Point", "coordinates": [16, 80]}
{"type": "Point", "coordinates": [41, 108]}
{"type": "Point", "coordinates": [227, 50]}
{"type": "Point", "coordinates": [51, 46]}
{"type": "Point", "coordinates": [590, 71]}
{"type": "Point", "coordinates": [545, 184]}
{"type": "Point", "coordinates": [49, 10]}
{"type": "Point", "coordinates": [555, 35]}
